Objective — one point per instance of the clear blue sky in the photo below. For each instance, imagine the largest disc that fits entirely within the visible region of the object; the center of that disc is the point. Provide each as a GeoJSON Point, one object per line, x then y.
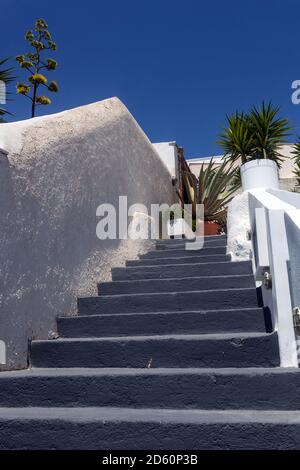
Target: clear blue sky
{"type": "Point", "coordinates": [178, 65]}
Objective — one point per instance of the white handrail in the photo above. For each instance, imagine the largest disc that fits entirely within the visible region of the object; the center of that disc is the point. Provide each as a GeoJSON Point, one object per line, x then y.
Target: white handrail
{"type": "Point", "coordinates": [271, 252]}
{"type": "Point", "coordinates": [292, 224]}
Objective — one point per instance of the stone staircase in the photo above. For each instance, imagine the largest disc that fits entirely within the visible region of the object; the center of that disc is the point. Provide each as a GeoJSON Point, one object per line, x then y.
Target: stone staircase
{"type": "Point", "coordinates": [175, 353]}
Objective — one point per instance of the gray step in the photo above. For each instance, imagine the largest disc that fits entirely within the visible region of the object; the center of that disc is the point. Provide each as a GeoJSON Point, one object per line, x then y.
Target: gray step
{"type": "Point", "coordinates": [219, 350]}
{"type": "Point", "coordinates": [110, 429]}
{"type": "Point", "coordinates": [182, 270]}
{"type": "Point", "coordinates": [182, 252]}
{"type": "Point", "coordinates": [196, 258]}
{"type": "Point", "coordinates": [168, 301]}
{"type": "Point", "coordinates": [128, 429]}
{"type": "Point", "coordinates": [210, 321]}
{"type": "Point", "coordinates": [185, 246]}
{"type": "Point", "coordinates": [176, 284]}
{"type": "Point", "coordinates": [214, 240]}
{"type": "Point", "coordinates": [232, 388]}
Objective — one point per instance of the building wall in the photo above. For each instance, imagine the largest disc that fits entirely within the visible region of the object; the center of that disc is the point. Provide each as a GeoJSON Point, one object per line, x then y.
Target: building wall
{"type": "Point", "coordinates": [287, 167]}
{"type": "Point", "coordinates": [168, 154]}
{"type": "Point", "coordinates": [59, 169]}
{"type": "Point", "coordinates": [287, 178]}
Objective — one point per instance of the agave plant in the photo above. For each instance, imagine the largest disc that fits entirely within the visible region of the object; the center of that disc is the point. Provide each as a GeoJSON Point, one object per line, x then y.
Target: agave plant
{"type": "Point", "coordinates": [190, 189]}
{"type": "Point", "coordinates": [216, 189]}
{"type": "Point", "coordinates": [257, 134]}
{"type": "Point", "coordinates": [296, 154]}
{"type": "Point", "coordinates": [6, 76]}
{"type": "Point", "coordinates": [236, 181]}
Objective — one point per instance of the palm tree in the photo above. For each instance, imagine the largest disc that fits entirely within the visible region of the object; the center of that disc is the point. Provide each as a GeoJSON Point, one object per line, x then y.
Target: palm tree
{"type": "Point", "coordinates": [269, 132]}
{"type": "Point", "coordinates": [6, 76]}
{"type": "Point", "coordinates": [236, 138]}
{"type": "Point", "coordinates": [257, 134]}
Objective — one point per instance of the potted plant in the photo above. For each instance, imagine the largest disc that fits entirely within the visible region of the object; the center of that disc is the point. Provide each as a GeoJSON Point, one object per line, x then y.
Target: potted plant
{"type": "Point", "coordinates": [214, 188]}
{"type": "Point", "coordinates": [296, 156]}
{"type": "Point", "coordinates": [252, 141]}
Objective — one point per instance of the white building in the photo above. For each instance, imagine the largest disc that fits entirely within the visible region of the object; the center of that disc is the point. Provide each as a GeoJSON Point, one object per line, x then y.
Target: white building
{"type": "Point", "coordinates": [287, 178]}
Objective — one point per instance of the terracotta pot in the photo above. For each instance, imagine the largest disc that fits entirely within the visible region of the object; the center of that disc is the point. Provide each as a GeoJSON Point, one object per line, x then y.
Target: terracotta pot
{"type": "Point", "coordinates": [211, 227]}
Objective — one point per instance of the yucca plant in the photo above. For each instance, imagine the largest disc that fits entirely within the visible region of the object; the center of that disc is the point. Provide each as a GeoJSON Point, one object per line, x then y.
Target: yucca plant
{"type": "Point", "coordinates": [257, 134]}
{"type": "Point", "coordinates": [236, 138]}
{"type": "Point", "coordinates": [269, 132]}
{"type": "Point", "coordinates": [6, 76]}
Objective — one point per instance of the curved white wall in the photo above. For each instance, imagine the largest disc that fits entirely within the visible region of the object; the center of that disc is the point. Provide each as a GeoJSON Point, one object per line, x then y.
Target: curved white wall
{"type": "Point", "coordinates": [58, 170]}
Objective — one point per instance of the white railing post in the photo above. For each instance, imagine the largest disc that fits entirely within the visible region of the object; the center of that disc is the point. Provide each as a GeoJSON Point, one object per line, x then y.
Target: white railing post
{"type": "Point", "coordinates": [261, 245]}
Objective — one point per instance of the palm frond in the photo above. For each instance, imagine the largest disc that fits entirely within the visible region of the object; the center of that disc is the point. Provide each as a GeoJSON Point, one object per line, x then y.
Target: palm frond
{"type": "Point", "coordinates": [258, 134]}
{"type": "Point", "coordinates": [269, 132]}
{"type": "Point", "coordinates": [236, 138]}
{"type": "Point", "coordinates": [6, 75]}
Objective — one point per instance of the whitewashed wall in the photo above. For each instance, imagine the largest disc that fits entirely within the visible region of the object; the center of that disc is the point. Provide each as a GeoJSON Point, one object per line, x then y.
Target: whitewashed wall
{"type": "Point", "coordinates": [167, 151]}
{"type": "Point", "coordinates": [58, 170]}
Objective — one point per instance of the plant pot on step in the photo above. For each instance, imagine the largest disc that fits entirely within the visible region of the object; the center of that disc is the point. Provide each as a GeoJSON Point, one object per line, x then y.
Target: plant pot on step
{"type": "Point", "coordinates": [211, 227]}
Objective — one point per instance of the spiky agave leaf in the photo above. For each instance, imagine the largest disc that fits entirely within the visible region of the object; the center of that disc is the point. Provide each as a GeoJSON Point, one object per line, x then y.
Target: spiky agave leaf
{"type": "Point", "coordinates": [236, 179]}
{"type": "Point", "coordinates": [215, 190]}
{"type": "Point", "coordinates": [296, 156]}
{"type": "Point", "coordinates": [190, 186]}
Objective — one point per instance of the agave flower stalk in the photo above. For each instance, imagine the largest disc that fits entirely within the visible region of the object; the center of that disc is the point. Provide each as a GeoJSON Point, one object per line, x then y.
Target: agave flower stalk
{"type": "Point", "coordinates": [40, 40]}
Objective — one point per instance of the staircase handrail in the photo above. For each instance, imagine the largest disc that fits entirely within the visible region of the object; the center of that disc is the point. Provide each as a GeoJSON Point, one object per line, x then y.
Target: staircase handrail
{"type": "Point", "coordinates": [272, 242]}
